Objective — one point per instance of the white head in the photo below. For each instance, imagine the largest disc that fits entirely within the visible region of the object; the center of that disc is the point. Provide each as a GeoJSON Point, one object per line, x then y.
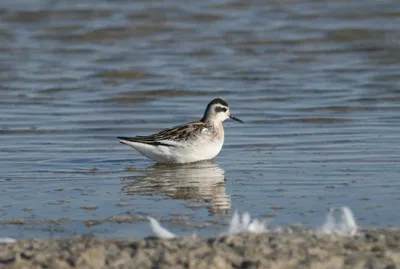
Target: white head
{"type": "Point", "coordinates": [218, 111]}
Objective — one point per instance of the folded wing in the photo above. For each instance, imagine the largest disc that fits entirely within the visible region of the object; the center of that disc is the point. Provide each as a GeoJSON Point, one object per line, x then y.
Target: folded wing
{"type": "Point", "coordinates": [169, 137]}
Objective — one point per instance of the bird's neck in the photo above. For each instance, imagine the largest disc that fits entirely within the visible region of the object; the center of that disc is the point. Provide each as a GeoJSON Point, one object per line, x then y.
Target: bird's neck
{"type": "Point", "coordinates": [216, 123]}
{"type": "Point", "coordinates": [219, 130]}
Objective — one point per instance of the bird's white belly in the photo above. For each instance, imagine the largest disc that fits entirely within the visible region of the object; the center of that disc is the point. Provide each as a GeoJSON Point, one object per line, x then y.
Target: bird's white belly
{"type": "Point", "coordinates": [197, 152]}
{"type": "Point", "coordinates": [188, 153]}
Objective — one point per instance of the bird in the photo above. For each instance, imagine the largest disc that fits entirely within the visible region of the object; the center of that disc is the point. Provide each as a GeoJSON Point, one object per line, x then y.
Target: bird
{"type": "Point", "coordinates": [188, 143]}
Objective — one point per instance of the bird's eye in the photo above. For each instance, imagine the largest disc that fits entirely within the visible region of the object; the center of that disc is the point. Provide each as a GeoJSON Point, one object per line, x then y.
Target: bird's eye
{"type": "Point", "coordinates": [220, 109]}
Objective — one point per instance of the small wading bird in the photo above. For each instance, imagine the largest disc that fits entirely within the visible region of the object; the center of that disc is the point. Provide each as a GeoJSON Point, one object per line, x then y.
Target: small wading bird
{"type": "Point", "coordinates": [191, 142]}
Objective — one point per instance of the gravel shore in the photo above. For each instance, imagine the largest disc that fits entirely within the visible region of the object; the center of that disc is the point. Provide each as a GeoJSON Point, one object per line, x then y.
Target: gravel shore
{"type": "Point", "coordinates": [299, 248]}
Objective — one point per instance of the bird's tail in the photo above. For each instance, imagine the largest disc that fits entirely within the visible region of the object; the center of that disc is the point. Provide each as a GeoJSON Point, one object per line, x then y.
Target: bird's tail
{"type": "Point", "coordinates": [125, 140]}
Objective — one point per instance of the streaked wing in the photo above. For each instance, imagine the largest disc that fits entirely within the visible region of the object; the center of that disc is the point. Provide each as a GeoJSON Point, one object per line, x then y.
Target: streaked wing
{"type": "Point", "coordinates": [154, 143]}
{"type": "Point", "coordinates": [171, 137]}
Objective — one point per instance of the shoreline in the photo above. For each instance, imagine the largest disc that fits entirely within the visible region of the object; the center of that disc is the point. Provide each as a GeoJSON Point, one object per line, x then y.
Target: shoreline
{"type": "Point", "coordinates": [294, 248]}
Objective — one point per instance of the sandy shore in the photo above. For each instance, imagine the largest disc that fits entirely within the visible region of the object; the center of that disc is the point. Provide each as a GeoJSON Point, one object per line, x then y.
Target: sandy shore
{"type": "Point", "coordinates": [300, 248]}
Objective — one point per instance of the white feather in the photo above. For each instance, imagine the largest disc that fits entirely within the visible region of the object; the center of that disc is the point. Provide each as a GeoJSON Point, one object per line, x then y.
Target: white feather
{"type": "Point", "coordinates": [158, 230]}
{"type": "Point", "coordinates": [347, 225]}
{"type": "Point", "coordinates": [244, 224]}
{"type": "Point", "coordinates": [7, 240]}
{"type": "Point", "coordinates": [348, 221]}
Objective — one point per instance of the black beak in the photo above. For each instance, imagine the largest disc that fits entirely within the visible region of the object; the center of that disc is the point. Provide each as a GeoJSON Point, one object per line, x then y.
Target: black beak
{"type": "Point", "coordinates": [235, 119]}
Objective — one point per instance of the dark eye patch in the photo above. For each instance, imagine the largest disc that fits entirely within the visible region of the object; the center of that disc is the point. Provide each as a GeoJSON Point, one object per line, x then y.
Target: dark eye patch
{"type": "Point", "coordinates": [220, 109]}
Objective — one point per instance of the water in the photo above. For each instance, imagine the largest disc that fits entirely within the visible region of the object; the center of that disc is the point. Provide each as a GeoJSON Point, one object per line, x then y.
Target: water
{"type": "Point", "coordinates": [317, 84]}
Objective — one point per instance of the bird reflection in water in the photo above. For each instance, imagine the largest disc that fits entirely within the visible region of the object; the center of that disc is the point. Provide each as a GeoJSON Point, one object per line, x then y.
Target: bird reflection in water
{"type": "Point", "coordinates": [204, 182]}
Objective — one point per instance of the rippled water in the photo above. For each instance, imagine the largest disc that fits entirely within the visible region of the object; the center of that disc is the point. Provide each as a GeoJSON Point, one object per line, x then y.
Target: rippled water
{"type": "Point", "coordinates": [316, 82]}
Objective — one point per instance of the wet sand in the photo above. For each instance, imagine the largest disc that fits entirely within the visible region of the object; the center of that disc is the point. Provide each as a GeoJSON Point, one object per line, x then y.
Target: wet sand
{"type": "Point", "coordinates": [293, 248]}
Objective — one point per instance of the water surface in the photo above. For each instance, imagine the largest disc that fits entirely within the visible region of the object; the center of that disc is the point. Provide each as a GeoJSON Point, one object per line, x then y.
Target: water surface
{"type": "Point", "coordinates": [317, 84]}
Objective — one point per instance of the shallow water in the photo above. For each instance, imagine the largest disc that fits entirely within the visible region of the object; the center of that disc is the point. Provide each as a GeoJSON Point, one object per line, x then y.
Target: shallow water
{"type": "Point", "coordinates": [317, 84]}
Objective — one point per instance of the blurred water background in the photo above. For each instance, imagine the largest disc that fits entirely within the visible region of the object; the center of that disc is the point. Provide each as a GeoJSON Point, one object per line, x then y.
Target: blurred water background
{"type": "Point", "coordinates": [316, 82]}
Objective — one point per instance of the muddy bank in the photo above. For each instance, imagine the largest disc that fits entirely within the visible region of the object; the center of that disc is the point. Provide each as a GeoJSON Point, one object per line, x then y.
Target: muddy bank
{"type": "Point", "coordinates": [300, 248]}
